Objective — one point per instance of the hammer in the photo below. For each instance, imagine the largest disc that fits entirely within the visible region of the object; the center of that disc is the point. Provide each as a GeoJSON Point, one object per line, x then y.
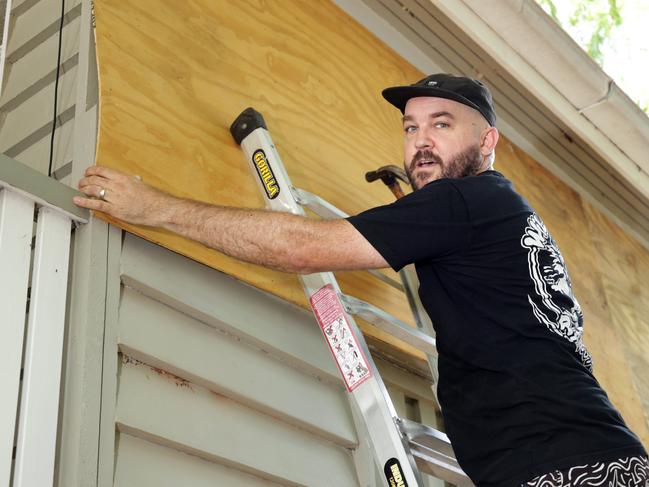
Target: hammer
{"type": "Point", "coordinates": [389, 175]}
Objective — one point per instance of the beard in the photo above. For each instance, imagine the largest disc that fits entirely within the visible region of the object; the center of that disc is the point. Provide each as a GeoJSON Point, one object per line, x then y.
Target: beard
{"type": "Point", "coordinates": [466, 163]}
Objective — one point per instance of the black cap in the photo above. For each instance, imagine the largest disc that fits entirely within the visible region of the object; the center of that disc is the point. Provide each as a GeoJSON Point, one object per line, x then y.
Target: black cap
{"type": "Point", "coordinates": [467, 91]}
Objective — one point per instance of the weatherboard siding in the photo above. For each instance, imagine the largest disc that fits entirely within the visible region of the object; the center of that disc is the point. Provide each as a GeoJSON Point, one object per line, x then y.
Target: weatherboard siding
{"type": "Point", "coordinates": [213, 368]}
{"type": "Point", "coordinates": [27, 95]}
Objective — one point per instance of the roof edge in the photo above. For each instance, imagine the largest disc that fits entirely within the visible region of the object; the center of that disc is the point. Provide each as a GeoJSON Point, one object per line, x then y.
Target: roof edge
{"type": "Point", "coordinates": [536, 50]}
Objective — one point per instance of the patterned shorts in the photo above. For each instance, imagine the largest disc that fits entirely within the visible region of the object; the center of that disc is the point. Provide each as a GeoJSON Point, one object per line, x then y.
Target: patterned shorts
{"type": "Point", "coordinates": [624, 472]}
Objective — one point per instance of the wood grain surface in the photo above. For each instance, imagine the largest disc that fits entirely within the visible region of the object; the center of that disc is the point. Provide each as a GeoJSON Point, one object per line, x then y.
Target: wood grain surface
{"type": "Point", "coordinates": [607, 284]}
{"type": "Point", "coordinates": [174, 75]}
{"type": "Point", "coordinates": [623, 265]}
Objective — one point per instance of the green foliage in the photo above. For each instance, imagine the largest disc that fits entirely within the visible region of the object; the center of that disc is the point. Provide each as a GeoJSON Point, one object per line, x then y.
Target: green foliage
{"type": "Point", "coordinates": [602, 22]}
{"type": "Point", "coordinates": [594, 18]}
{"type": "Point", "coordinates": [550, 8]}
{"type": "Point", "coordinates": [590, 23]}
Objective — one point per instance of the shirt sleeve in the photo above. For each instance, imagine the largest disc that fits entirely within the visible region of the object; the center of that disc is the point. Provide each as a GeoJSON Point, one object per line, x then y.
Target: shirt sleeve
{"type": "Point", "coordinates": [429, 223]}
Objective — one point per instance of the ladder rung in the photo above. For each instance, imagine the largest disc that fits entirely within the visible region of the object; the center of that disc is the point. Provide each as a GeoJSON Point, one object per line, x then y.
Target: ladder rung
{"type": "Point", "coordinates": [389, 324]}
{"type": "Point", "coordinates": [433, 453]}
{"type": "Point", "coordinates": [388, 280]}
{"type": "Point", "coordinates": [317, 205]}
{"type": "Point", "coordinates": [324, 209]}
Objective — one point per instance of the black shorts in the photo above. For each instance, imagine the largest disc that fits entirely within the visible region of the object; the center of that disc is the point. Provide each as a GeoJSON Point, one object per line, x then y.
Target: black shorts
{"type": "Point", "coordinates": [624, 472]}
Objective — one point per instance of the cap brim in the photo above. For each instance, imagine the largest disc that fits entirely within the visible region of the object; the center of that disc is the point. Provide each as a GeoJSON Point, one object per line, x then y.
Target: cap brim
{"type": "Point", "coordinates": [399, 96]}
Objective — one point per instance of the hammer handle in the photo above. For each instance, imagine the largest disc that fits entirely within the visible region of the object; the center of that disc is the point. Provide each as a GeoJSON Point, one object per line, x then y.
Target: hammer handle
{"type": "Point", "coordinates": [396, 190]}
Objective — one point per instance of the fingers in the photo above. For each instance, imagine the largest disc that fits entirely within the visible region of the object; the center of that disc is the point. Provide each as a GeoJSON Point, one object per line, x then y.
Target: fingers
{"type": "Point", "coordinates": [91, 204]}
{"type": "Point", "coordinates": [103, 172]}
{"type": "Point", "coordinates": [93, 190]}
{"type": "Point", "coordinates": [103, 176]}
{"type": "Point", "coordinates": [94, 180]}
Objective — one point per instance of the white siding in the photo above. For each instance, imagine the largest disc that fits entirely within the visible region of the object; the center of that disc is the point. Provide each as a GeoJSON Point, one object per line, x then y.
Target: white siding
{"type": "Point", "coordinates": [27, 96]}
{"type": "Point", "coordinates": [227, 383]}
{"type": "Point", "coordinates": [173, 468]}
{"type": "Point", "coordinates": [213, 368]}
{"type": "Point", "coordinates": [221, 362]}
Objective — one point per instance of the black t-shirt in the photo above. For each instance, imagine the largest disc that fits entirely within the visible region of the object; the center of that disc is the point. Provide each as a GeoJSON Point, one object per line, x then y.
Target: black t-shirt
{"type": "Point", "coordinates": [516, 388]}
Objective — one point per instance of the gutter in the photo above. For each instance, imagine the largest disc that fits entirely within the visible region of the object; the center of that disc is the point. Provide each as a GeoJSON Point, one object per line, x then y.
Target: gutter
{"type": "Point", "coordinates": [540, 54]}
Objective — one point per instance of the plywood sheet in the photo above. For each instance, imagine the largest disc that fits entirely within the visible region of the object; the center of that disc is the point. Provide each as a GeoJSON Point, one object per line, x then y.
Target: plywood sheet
{"type": "Point", "coordinates": [623, 264]}
{"type": "Point", "coordinates": [174, 75]}
{"type": "Point", "coordinates": [574, 226]}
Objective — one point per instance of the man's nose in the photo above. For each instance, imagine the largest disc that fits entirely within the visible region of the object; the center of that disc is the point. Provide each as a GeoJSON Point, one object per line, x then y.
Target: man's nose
{"type": "Point", "coordinates": [423, 139]}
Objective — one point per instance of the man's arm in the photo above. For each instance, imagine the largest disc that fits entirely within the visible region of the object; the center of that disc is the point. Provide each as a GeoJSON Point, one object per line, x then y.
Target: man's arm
{"type": "Point", "coordinates": [277, 240]}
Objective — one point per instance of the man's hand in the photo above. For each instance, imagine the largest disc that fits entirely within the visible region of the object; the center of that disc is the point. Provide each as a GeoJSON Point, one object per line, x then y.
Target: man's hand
{"type": "Point", "coordinates": [124, 197]}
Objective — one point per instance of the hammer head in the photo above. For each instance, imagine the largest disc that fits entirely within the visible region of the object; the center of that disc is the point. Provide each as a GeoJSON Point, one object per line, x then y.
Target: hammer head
{"type": "Point", "coordinates": [388, 174]}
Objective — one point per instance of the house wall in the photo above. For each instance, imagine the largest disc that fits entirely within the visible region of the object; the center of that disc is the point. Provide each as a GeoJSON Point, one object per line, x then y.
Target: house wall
{"type": "Point", "coordinates": [600, 257]}
{"type": "Point", "coordinates": [29, 79]}
{"type": "Point", "coordinates": [174, 78]}
{"type": "Point", "coordinates": [215, 382]}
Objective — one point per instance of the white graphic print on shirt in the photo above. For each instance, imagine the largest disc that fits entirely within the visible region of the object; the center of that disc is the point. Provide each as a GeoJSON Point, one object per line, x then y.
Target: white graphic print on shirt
{"type": "Point", "coordinates": [554, 303]}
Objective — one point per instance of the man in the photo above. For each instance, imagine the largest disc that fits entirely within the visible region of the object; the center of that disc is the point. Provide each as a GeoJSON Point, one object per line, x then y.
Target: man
{"type": "Point", "coordinates": [520, 403]}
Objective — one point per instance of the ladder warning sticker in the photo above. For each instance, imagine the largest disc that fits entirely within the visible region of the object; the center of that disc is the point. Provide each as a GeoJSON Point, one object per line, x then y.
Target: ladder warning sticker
{"type": "Point", "coordinates": [342, 342]}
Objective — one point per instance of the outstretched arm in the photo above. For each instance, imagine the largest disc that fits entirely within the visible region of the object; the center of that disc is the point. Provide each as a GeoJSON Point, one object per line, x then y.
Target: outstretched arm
{"type": "Point", "coordinates": [280, 241]}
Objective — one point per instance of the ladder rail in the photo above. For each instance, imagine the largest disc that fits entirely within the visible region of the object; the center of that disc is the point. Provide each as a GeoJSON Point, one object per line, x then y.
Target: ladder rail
{"type": "Point", "coordinates": [390, 324]}
{"type": "Point", "coordinates": [324, 209]}
{"type": "Point", "coordinates": [423, 322]}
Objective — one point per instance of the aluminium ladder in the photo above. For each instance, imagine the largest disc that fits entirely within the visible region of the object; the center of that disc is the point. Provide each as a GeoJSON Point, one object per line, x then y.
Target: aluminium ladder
{"type": "Point", "coordinates": [400, 447]}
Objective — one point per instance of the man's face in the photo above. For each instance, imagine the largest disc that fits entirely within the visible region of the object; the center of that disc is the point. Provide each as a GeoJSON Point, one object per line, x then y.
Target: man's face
{"type": "Point", "coordinates": [441, 140]}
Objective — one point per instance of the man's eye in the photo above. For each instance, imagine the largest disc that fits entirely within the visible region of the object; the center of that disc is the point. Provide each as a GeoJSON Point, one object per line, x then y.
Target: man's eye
{"type": "Point", "coordinates": [441, 125]}
{"type": "Point", "coordinates": [409, 129]}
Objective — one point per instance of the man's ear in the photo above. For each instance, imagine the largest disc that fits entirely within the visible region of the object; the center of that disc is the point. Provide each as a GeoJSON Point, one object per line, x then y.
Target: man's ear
{"type": "Point", "coordinates": [488, 140]}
